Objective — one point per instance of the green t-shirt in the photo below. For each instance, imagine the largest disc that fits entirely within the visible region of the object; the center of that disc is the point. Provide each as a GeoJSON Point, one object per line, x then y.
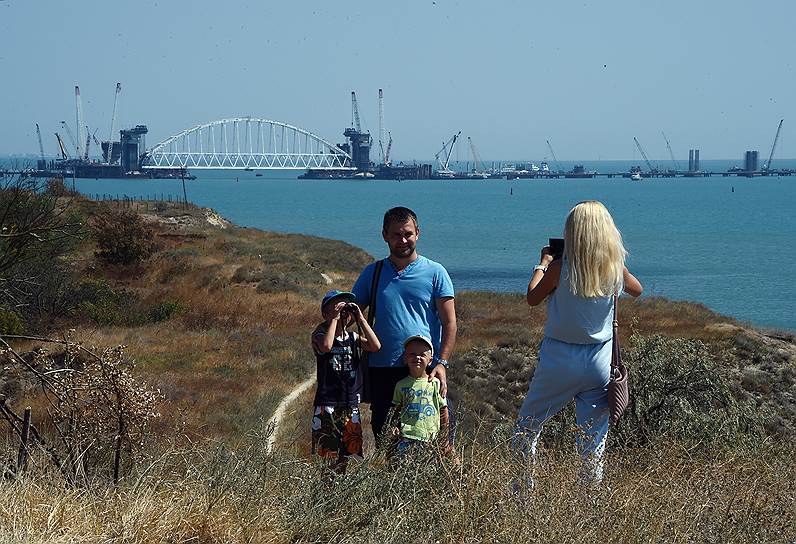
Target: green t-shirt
{"type": "Point", "coordinates": [419, 402]}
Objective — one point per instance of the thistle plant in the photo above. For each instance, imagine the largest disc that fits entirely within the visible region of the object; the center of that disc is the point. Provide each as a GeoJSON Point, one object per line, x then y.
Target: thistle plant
{"type": "Point", "coordinates": [97, 409]}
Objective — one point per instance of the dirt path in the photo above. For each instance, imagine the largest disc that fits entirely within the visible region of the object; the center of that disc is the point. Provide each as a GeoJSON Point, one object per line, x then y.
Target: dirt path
{"type": "Point", "coordinates": [279, 413]}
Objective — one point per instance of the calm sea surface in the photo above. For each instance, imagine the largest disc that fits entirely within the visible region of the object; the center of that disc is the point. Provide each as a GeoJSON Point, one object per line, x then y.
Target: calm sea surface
{"type": "Point", "coordinates": [725, 242]}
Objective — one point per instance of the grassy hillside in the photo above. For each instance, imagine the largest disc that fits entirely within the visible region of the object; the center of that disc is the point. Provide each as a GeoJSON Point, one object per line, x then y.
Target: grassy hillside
{"type": "Point", "coordinates": [217, 319]}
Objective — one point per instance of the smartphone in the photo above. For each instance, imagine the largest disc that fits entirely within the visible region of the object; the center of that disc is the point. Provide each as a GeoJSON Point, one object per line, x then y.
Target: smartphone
{"type": "Point", "coordinates": [557, 247]}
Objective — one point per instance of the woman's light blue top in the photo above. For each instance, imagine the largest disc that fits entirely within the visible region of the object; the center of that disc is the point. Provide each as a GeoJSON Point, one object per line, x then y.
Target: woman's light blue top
{"type": "Point", "coordinates": [575, 319]}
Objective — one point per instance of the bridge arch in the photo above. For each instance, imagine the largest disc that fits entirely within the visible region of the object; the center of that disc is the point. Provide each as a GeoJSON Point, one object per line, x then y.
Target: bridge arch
{"type": "Point", "coordinates": [246, 143]}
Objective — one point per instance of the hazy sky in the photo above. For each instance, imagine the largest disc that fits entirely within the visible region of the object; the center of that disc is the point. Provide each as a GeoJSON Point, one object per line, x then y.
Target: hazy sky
{"type": "Point", "coordinates": [589, 76]}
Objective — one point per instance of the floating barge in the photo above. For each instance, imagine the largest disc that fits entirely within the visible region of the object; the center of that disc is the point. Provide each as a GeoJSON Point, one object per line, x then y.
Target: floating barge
{"type": "Point", "coordinates": [81, 169]}
{"type": "Point", "coordinates": [120, 160]}
{"type": "Point", "coordinates": [380, 172]}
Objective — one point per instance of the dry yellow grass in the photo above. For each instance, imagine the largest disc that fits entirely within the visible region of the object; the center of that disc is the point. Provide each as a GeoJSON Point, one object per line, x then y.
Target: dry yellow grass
{"type": "Point", "coordinates": [210, 493]}
{"type": "Point", "coordinates": [233, 350]}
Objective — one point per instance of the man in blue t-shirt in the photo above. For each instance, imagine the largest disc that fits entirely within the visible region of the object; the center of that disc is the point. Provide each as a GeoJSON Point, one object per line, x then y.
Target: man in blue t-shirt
{"type": "Point", "coordinates": [414, 295]}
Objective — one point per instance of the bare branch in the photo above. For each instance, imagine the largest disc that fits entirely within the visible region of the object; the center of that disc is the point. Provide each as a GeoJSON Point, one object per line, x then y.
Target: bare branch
{"type": "Point", "coordinates": [36, 232]}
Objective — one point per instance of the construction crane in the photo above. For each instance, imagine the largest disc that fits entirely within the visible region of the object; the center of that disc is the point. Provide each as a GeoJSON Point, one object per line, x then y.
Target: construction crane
{"type": "Point", "coordinates": [447, 149]}
{"type": "Point", "coordinates": [355, 112]}
{"type": "Point", "coordinates": [79, 107]}
{"type": "Point", "coordinates": [41, 145]}
{"type": "Point", "coordinates": [113, 122]}
{"type": "Point", "coordinates": [88, 143]}
{"type": "Point", "coordinates": [643, 154]}
{"type": "Point", "coordinates": [671, 153]}
{"type": "Point", "coordinates": [553, 153]}
{"type": "Point", "coordinates": [773, 147]}
{"type": "Point", "coordinates": [476, 158]}
{"type": "Point", "coordinates": [382, 138]}
{"type": "Point", "coordinates": [91, 136]}
{"type": "Point", "coordinates": [64, 154]}
{"type": "Point", "coordinates": [389, 147]}
{"type": "Point", "coordinates": [71, 136]}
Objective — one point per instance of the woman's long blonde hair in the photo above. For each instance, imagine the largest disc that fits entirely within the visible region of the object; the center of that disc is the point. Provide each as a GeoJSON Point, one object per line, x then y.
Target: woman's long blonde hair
{"type": "Point", "coordinates": [594, 249]}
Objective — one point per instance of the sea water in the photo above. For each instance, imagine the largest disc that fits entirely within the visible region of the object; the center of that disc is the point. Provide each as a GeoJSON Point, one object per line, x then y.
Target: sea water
{"type": "Point", "coordinates": [727, 243]}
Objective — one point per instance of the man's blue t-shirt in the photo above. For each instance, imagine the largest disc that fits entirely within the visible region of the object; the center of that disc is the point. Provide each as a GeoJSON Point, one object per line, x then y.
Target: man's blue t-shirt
{"type": "Point", "coordinates": [405, 305]}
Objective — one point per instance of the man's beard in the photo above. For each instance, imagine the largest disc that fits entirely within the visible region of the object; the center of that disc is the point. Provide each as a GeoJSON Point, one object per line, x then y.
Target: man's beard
{"type": "Point", "coordinates": [402, 253]}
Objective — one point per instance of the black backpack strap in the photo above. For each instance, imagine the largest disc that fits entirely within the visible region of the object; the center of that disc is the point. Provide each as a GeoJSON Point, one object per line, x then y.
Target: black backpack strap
{"type": "Point", "coordinates": [363, 359]}
{"type": "Point", "coordinates": [355, 343]}
{"type": "Point", "coordinates": [374, 285]}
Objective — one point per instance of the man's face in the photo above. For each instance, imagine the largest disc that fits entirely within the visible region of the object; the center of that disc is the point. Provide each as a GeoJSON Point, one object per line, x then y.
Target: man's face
{"type": "Point", "coordinates": [401, 238]}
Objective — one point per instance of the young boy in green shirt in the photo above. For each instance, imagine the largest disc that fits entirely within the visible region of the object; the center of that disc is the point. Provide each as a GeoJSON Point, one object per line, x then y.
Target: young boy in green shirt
{"type": "Point", "coordinates": [420, 411]}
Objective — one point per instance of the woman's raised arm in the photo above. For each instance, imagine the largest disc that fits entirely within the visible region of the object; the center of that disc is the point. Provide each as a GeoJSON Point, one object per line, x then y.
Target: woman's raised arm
{"type": "Point", "coordinates": [632, 285]}
{"type": "Point", "coordinates": [543, 283]}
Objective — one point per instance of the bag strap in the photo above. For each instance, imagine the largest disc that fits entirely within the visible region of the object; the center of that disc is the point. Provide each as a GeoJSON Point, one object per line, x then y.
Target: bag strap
{"type": "Point", "coordinates": [374, 285]}
{"type": "Point", "coordinates": [615, 355]}
{"type": "Point", "coordinates": [355, 341]}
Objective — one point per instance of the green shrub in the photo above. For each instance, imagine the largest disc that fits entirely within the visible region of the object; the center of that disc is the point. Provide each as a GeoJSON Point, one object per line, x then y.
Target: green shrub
{"type": "Point", "coordinates": [174, 267]}
{"type": "Point", "coordinates": [102, 304]}
{"type": "Point", "coordinates": [295, 280]}
{"type": "Point", "coordinates": [11, 322]}
{"type": "Point", "coordinates": [164, 311]}
{"type": "Point", "coordinates": [39, 231]}
{"type": "Point", "coordinates": [246, 274]}
{"type": "Point", "coordinates": [101, 314]}
{"type": "Point", "coordinates": [122, 237]}
{"type": "Point", "coordinates": [680, 390]}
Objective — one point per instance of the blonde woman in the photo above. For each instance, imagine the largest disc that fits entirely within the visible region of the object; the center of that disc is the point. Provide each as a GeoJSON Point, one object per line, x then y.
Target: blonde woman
{"type": "Point", "coordinates": [575, 354]}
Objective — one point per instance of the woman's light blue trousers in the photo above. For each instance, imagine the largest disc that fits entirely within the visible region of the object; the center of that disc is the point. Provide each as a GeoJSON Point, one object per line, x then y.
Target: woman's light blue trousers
{"type": "Point", "coordinates": [566, 371]}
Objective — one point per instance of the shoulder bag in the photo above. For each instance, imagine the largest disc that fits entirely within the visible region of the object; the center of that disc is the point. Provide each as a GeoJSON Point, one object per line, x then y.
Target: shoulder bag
{"type": "Point", "coordinates": [618, 387]}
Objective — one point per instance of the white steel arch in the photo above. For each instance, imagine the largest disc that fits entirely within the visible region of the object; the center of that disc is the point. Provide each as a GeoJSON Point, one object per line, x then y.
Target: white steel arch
{"type": "Point", "coordinates": [246, 143]}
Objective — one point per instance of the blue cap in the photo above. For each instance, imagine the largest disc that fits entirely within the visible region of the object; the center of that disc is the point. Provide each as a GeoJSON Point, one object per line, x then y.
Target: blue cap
{"type": "Point", "coordinates": [348, 296]}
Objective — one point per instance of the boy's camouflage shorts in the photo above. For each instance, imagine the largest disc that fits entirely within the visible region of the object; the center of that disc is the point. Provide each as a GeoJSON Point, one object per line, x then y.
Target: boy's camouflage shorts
{"type": "Point", "coordinates": [337, 432]}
